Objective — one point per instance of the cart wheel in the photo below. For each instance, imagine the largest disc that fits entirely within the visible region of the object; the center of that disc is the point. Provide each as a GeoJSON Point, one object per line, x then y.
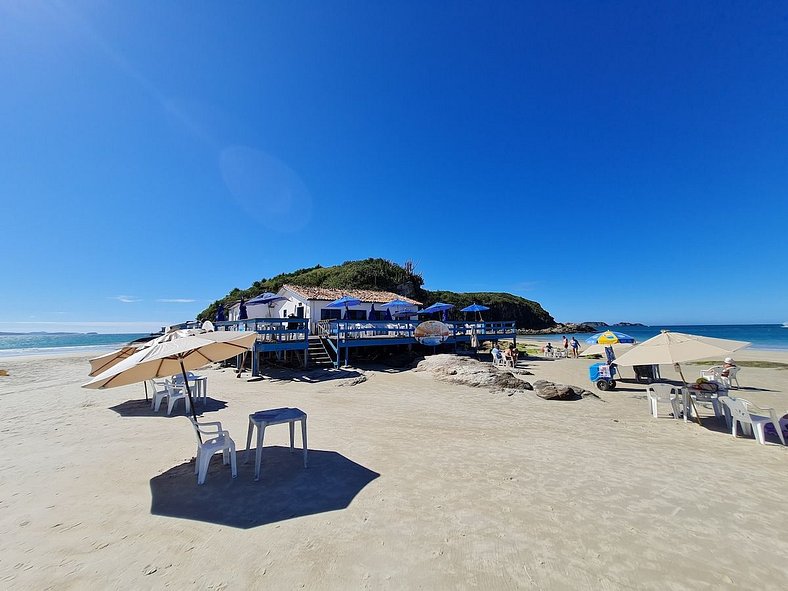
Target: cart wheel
{"type": "Point", "coordinates": [602, 385]}
{"type": "Point", "coordinates": [613, 385]}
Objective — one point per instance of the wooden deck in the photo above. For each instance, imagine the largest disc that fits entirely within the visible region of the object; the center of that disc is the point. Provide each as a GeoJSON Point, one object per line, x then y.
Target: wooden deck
{"type": "Point", "coordinates": [340, 336]}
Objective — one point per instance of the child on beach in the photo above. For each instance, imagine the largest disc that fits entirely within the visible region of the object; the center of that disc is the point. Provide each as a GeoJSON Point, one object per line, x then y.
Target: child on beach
{"type": "Point", "coordinates": [566, 346]}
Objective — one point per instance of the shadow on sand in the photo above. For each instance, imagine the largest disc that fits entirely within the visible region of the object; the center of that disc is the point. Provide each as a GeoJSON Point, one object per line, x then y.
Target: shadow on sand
{"type": "Point", "coordinates": [141, 408]}
{"type": "Point", "coordinates": [310, 375]}
{"type": "Point", "coordinates": [286, 489]}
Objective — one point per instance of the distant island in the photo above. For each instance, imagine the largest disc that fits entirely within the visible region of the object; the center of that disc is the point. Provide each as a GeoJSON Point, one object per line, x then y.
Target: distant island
{"type": "Point", "coordinates": [605, 324]}
{"type": "Point", "coordinates": [572, 327]}
{"type": "Point", "coordinates": [40, 332]}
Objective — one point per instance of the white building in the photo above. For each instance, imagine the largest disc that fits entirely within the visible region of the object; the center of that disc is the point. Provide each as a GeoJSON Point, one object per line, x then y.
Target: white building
{"type": "Point", "coordinates": [311, 302]}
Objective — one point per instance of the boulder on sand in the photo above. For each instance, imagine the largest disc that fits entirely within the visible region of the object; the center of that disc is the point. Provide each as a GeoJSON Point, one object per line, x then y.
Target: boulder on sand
{"type": "Point", "coordinates": [553, 391]}
{"type": "Point", "coordinates": [470, 372]}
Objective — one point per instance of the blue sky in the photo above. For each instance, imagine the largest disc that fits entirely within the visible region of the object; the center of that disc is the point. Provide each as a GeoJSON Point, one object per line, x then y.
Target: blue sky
{"type": "Point", "coordinates": [611, 160]}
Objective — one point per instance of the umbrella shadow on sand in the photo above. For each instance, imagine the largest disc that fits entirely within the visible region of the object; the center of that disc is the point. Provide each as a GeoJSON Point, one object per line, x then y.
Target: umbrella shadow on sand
{"type": "Point", "coordinates": [141, 408]}
{"type": "Point", "coordinates": [286, 489]}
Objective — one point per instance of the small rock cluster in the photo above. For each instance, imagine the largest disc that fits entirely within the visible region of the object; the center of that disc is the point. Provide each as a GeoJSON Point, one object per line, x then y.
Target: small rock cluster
{"type": "Point", "coordinates": [553, 391]}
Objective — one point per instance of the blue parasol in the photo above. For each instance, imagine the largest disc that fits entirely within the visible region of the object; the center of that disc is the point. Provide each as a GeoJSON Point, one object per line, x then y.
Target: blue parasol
{"type": "Point", "coordinates": [475, 308]}
{"type": "Point", "coordinates": [242, 315]}
{"type": "Point", "coordinates": [436, 307]}
{"type": "Point", "coordinates": [344, 302]}
{"type": "Point", "coordinates": [266, 298]}
{"type": "Point", "coordinates": [397, 304]}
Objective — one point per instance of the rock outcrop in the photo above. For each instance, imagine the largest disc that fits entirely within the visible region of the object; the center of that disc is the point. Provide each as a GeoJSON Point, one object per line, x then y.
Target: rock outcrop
{"type": "Point", "coordinates": [560, 329]}
{"type": "Point", "coordinates": [477, 374]}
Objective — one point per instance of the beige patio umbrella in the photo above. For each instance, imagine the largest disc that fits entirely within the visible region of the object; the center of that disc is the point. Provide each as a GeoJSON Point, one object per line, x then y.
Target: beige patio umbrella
{"type": "Point", "coordinates": [104, 362]}
{"type": "Point", "coordinates": [179, 354]}
{"type": "Point", "coordinates": [618, 349]}
{"type": "Point", "coordinates": [675, 348]}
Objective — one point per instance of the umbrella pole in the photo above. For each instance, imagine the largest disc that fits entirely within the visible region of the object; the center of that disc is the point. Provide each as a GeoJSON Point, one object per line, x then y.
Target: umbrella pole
{"type": "Point", "coordinates": [145, 383]}
{"type": "Point", "coordinates": [189, 393]}
{"type": "Point", "coordinates": [689, 398]}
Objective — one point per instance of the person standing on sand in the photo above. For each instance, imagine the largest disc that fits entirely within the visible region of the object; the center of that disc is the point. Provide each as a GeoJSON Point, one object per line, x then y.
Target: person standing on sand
{"type": "Point", "coordinates": [575, 347]}
{"type": "Point", "coordinates": [566, 346]}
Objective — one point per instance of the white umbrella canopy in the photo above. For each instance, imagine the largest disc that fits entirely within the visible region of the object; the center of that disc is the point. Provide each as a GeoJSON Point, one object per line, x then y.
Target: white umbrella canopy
{"type": "Point", "coordinates": [676, 347]}
{"type": "Point", "coordinates": [177, 355]}
{"type": "Point", "coordinates": [174, 356]}
{"type": "Point", "coordinates": [104, 362]}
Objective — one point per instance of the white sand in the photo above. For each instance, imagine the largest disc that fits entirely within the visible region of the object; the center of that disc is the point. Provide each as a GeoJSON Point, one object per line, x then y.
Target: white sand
{"type": "Point", "coordinates": [474, 489]}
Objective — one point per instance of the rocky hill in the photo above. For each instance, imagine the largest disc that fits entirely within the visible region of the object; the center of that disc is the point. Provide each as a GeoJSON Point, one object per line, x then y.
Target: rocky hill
{"type": "Point", "coordinates": [401, 279]}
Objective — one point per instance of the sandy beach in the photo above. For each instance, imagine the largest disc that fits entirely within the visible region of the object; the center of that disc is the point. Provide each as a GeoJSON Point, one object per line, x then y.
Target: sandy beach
{"type": "Point", "coordinates": [413, 483]}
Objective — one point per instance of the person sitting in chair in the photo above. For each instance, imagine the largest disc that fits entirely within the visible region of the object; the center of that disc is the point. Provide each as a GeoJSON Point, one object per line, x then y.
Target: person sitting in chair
{"type": "Point", "coordinates": [511, 354]}
{"type": "Point", "coordinates": [726, 368]}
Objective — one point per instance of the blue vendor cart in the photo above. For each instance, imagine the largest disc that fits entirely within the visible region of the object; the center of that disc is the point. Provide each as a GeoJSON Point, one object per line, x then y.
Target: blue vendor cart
{"type": "Point", "coordinates": [603, 375]}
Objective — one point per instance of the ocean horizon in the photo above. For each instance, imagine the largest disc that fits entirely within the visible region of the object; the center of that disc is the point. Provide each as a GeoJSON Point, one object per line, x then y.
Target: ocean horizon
{"type": "Point", "coordinates": [773, 337]}
{"type": "Point", "coordinates": [770, 337]}
{"type": "Point", "coordinates": [13, 345]}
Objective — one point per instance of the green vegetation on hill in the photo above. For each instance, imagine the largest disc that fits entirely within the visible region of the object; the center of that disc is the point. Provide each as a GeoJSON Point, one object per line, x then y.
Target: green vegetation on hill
{"type": "Point", "coordinates": [503, 306]}
{"type": "Point", "coordinates": [385, 275]}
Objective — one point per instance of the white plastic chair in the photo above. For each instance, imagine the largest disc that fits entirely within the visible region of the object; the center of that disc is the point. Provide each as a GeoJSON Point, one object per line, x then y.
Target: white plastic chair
{"type": "Point", "coordinates": [219, 441]}
{"type": "Point", "coordinates": [707, 397]}
{"type": "Point", "coordinates": [728, 380]}
{"type": "Point", "coordinates": [174, 394]}
{"type": "Point", "coordinates": [498, 360]}
{"type": "Point", "coordinates": [712, 374]}
{"type": "Point", "coordinates": [664, 393]}
{"type": "Point", "coordinates": [158, 393]}
{"type": "Point", "coordinates": [752, 418]}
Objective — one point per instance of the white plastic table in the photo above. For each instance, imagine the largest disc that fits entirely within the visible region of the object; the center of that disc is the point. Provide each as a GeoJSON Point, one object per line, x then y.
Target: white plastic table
{"type": "Point", "coordinates": [262, 419]}
{"type": "Point", "coordinates": [197, 384]}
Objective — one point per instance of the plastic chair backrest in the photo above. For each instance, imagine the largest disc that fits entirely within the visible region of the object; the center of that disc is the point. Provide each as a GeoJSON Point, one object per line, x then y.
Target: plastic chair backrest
{"type": "Point", "coordinates": [196, 428]}
{"type": "Point", "coordinates": [738, 408]}
{"type": "Point", "coordinates": [660, 391]}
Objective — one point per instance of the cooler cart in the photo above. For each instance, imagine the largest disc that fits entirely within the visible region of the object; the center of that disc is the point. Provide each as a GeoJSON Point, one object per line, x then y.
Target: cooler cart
{"type": "Point", "coordinates": [602, 375]}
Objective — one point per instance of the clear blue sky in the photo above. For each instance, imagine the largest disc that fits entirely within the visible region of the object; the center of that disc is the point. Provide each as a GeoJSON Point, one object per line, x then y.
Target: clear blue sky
{"type": "Point", "coordinates": [611, 160]}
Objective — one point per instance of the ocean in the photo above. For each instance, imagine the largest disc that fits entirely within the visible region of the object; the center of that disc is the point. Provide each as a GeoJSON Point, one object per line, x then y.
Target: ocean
{"type": "Point", "coordinates": [12, 345]}
{"type": "Point", "coordinates": [762, 336]}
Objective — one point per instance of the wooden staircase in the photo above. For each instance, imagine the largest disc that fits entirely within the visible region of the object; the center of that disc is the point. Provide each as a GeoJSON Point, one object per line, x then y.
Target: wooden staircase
{"type": "Point", "coordinates": [319, 352]}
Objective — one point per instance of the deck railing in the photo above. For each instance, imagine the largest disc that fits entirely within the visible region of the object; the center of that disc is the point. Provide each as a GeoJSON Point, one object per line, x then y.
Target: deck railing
{"type": "Point", "coordinates": [271, 330]}
{"type": "Point", "coordinates": [290, 330]}
{"type": "Point", "coordinates": [356, 329]}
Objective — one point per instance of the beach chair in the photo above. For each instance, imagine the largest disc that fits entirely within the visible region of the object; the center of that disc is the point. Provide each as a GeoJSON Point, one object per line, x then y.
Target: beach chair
{"type": "Point", "coordinates": [728, 380]}
{"type": "Point", "coordinates": [657, 393]}
{"type": "Point", "coordinates": [499, 360]}
{"type": "Point", "coordinates": [158, 392]}
{"type": "Point", "coordinates": [752, 418]}
{"type": "Point", "coordinates": [219, 441]}
{"type": "Point", "coordinates": [175, 393]}
{"type": "Point", "coordinates": [707, 397]}
{"type": "Point", "coordinates": [712, 374]}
